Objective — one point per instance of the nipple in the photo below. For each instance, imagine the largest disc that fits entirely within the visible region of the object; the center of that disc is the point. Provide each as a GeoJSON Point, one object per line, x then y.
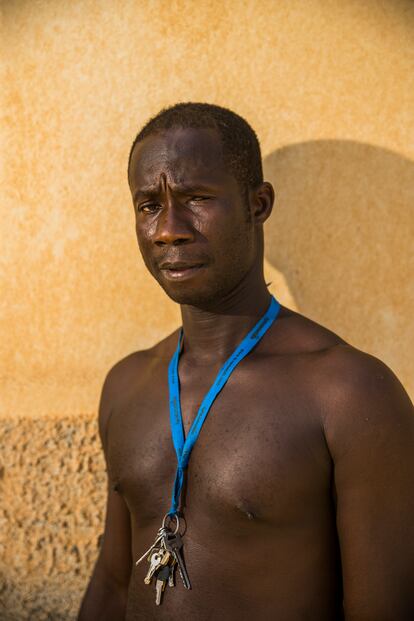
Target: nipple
{"type": "Point", "coordinates": [244, 508]}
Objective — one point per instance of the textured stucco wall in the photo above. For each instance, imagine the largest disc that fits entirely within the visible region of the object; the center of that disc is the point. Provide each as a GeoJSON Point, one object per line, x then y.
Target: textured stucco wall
{"type": "Point", "coordinates": [52, 487]}
{"type": "Point", "coordinates": [329, 87]}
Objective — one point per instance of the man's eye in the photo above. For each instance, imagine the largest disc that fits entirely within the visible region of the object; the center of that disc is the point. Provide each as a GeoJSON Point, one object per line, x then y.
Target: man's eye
{"type": "Point", "coordinates": [199, 199]}
{"type": "Point", "coordinates": [149, 207]}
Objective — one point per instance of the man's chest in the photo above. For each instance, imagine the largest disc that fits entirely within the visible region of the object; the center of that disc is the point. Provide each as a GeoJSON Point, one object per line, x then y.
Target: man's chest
{"type": "Point", "coordinates": [260, 453]}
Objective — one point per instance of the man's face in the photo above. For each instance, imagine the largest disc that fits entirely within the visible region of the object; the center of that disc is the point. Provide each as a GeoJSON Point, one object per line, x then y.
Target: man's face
{"type": "Point", "coordinates": [192, 221]}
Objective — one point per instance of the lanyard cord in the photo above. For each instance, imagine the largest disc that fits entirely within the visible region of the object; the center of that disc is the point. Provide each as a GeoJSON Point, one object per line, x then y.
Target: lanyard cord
{"type": "Point", "coordinates": [183, 446]}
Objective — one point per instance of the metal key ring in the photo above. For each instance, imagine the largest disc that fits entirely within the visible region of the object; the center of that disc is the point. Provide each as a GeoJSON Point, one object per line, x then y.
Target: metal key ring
{"type": "Point", "coordinates": [171, 515]}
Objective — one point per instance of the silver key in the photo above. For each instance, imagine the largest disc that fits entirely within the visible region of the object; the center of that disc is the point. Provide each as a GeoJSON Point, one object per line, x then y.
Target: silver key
{"type": "Point", "coordinates": [154, 545]}
{"type": "Point", "coordinates": [155, 561]}
{"type": "Point", "coordinates": [162, 577]}
{"type": "Point", "coordinates": [173, 544]}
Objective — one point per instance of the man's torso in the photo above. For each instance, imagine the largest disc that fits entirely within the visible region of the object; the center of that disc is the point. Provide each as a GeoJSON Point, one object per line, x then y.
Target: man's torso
{"type": "Point", "coordinates": [260, 539]}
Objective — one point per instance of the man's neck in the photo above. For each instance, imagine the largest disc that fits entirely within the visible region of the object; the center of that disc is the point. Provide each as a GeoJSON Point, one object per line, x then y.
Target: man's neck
{"type": "Point", "coordinates": [210, 336]}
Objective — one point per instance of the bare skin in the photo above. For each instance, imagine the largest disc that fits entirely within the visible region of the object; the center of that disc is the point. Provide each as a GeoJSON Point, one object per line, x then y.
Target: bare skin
{"type": "Point", "coordinates": [298, 501]}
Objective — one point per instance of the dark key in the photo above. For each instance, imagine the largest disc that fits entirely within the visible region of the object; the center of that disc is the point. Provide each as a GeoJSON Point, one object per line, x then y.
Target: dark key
{"type": "Point", "coordinates": [161, 580]}
{"type": "Point", "coordinates": [174, 544]}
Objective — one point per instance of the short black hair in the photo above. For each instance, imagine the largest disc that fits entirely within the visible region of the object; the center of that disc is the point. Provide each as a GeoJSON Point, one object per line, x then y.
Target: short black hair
{"type": "Point", "coordinates": [241, 148]}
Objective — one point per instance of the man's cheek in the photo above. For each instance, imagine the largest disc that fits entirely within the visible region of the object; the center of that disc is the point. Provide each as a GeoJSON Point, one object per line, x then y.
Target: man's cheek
{"type": "Point", "coordinates": [143, 241]}
{"type": "Point", "coordinates": [145, 250]}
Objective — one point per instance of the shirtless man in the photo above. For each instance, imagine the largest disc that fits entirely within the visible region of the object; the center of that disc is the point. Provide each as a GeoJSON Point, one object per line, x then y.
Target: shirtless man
{"type": "Point", "coordinates": [298, 501]}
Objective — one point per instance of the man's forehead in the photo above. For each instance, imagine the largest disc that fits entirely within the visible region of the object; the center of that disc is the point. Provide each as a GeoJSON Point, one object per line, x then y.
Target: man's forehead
{"type": "Point", "coordinates": [180, 154]}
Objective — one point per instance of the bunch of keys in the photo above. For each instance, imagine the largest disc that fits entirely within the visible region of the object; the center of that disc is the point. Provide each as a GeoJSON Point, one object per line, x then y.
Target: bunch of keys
{"type": "Point", "coordinates": [163, 557]}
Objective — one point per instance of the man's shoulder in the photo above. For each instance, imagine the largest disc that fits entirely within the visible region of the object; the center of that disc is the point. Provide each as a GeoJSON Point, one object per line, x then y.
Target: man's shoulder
{"type": "Point", "coordinates": [296, 334]}
{"type": "Point", "coordinates": [356, 395]}
{"type": "Point", "coordinates": [343, 380]}
{"type": "Point", "coordinates": [129, 376]}
{"type": "Point", "coordinates": [139, 364]}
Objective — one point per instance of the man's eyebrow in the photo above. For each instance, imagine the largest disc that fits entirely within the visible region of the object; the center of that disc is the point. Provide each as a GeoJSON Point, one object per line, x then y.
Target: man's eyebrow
{"type": "Point", "coordinates": [192, 188]}
{"type": "Point", "coordinates": [149, 191]}
{"type": "Point", "coordinates": [181, 188]}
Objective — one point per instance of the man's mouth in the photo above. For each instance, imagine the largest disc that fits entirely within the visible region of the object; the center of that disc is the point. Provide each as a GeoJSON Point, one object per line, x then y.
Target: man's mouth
{"type": "Point", "coordinates": [179, 270]}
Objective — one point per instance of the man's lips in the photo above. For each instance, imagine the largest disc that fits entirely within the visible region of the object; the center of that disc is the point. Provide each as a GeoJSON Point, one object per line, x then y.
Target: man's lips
{"type": "Point", "coordinates": [177, 270]}
{"type": "Point", "coordinates": [179, 265]}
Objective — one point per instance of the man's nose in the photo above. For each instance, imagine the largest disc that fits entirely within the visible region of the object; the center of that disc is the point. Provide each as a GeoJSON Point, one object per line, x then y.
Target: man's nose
{"type": "Point", "coordinates": [173, 226]}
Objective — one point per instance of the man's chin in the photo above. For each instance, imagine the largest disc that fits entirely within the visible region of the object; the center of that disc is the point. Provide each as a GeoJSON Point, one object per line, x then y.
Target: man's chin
{"type": "Point", "coordinates": [201, 292]}
{"type": "Point", "coordinates": [204, 298]}
{"type": "Point", "coordinates": [186, 293]}
{"type": "Point", "coordinates": [182, 295]}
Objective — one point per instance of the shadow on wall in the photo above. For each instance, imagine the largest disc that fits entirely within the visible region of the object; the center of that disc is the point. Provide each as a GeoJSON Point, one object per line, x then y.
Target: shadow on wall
{"type": "Point", "coordinates": [342, 236]}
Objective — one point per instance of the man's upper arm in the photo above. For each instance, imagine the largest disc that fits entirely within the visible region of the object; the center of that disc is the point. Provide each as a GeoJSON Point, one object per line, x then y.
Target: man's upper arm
{"type": "Point", "coordinates": [369, 426]}
{"type": "Point", "coordinates": [106, 595]}
{"type": "Point", "coordinates": [115, 560]}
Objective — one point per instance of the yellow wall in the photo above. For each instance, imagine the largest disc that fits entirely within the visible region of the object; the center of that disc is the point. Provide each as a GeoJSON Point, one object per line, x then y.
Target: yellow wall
{"type": "Point", "coordinates": [327, 84]}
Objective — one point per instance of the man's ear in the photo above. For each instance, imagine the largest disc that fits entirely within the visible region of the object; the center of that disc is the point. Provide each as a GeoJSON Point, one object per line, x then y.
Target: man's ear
{"type": "Point", "coordinates": [261, 201]}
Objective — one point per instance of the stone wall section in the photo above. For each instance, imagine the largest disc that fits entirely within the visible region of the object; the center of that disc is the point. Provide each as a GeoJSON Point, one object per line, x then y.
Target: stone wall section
{"type": "Point", "coordinates": [52, 490]}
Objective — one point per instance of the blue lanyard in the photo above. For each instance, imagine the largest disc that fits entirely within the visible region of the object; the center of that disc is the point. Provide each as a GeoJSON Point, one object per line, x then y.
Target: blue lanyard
{"type": "Point", "coordinates": [183, 446]}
